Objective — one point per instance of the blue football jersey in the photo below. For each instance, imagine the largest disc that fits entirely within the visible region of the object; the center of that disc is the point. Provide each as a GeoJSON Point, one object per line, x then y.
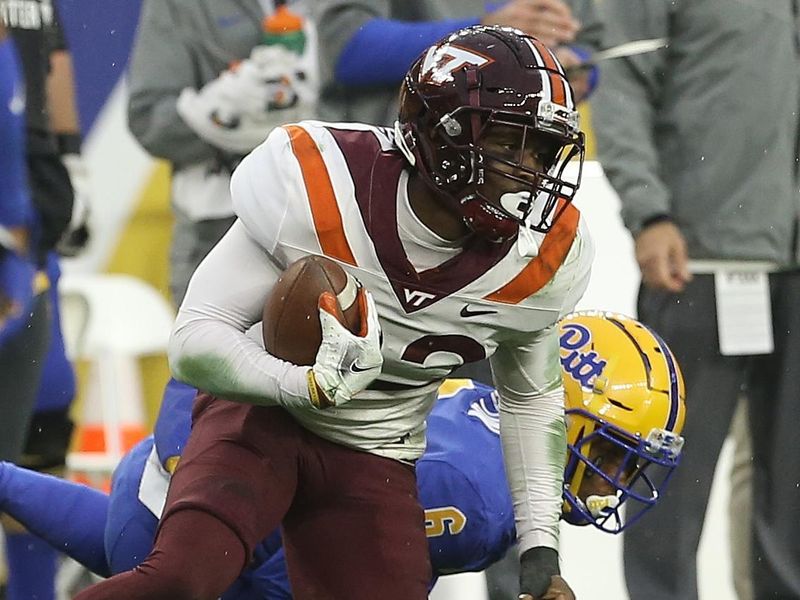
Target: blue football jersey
{"type": "Point", "coordinates": [131, 527]}
{"type": "Point", "coordinates": [174, 422]}
{"type": "Point", "coordinates": [462, 483]}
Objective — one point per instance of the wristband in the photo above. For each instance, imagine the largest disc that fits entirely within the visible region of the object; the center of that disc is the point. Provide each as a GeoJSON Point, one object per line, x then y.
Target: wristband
{"type": "Point", "coordinates": [537, 567]}
{"type": "Point", "coordinates": [318, 400]}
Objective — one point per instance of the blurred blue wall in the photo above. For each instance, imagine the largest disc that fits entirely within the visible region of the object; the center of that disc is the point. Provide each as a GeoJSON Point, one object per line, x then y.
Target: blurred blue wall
{"type": "Point", "coordinates": [100, 34]}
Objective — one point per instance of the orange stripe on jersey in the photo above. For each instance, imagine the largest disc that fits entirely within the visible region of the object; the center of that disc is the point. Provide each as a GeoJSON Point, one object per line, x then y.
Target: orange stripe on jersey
{"type": "Point", "coordinates": [541, 269]}
{"type": "Point", "coordinates": [321, 197]}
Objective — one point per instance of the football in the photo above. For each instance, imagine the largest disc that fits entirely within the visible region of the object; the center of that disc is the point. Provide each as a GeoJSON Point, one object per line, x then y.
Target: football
{"type": "Point", "coordinates": [291, 324]}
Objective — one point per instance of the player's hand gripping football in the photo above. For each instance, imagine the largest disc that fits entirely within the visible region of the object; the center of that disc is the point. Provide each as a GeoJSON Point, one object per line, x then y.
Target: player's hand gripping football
{"type": "Point", "coordinates": [346, 363]}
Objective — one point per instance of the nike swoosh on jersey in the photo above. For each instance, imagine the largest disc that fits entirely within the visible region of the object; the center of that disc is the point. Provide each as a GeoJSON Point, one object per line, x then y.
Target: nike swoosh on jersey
{"type": "Point", "coordinates": [466, 312]}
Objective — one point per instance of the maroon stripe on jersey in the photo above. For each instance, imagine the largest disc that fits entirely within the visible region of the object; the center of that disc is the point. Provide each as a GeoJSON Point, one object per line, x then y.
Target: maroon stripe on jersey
{"type": "Point", "coordinates": [376, 183]}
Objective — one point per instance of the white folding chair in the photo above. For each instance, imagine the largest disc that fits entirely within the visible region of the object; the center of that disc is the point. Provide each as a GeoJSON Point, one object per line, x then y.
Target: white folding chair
{"type": "Point", "coordinates": [111, 320]}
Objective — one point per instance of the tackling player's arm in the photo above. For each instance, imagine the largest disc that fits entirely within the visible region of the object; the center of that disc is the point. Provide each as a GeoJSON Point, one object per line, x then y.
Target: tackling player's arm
{"type": "Point", "coordinates": [533, 434]}
{"type": "Point", "coordinates": [527, 373]}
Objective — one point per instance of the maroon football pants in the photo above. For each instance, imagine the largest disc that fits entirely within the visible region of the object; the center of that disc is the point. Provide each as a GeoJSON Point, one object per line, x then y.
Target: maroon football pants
{"type": "Point", "coordinates": [352, 525]}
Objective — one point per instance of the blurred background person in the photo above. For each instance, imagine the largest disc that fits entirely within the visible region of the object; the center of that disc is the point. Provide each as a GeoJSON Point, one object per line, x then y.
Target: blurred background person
{"type": "Point", "coordinates": [16, 211]}
{"type": "Point", "coordinates": [208, 80]}
{"type": "Point", "coordinates": [57, 180]}
{"type": "Point", "coordinates": [23, 313]}
{"type": "Point", "coordinates": [366, 46]}
{"type": "Point", "coordinates": [700, 141]}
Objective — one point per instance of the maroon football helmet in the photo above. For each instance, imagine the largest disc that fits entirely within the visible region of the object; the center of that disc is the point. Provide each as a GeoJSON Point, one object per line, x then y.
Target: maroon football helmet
{"type": "Point", "coordinates": [475, 81]}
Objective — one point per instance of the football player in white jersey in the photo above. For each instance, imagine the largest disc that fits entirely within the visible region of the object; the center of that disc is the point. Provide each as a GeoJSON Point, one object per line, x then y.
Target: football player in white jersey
{"type": "Point", "coordinates": [459, 222]}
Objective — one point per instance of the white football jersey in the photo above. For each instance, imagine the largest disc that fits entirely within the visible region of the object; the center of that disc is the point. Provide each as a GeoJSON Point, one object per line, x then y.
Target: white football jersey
{"type": "Point", "coordinates": [335, 190]}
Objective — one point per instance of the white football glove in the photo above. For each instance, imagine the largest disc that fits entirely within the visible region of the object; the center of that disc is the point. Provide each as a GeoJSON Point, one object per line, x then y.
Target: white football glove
{"type": "Point", "coordinates": [346, 363]}
{"type": "Point", "coordinates": [237, 110]}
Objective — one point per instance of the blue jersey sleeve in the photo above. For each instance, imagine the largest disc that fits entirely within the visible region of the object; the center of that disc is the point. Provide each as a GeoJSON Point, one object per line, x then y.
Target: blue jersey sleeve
{"type": "Point", "coordinates": [67, 515]}
{"type": "Point", "coordinates": [382, 50]}
{"type": "Point", "coordinates": [462, 484]}
{"type": "Point", "coordinates": [131, 527]}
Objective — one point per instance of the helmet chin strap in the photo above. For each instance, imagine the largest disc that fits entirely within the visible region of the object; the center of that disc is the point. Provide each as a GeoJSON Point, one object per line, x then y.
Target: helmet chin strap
{"type": "Point", "coordinates": [402, 144]}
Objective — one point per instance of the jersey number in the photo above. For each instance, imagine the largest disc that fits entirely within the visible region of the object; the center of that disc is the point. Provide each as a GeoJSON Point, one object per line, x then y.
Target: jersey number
{"type": "Point", "coordinates": [447, 519]}
{"type": "Point", "coordinates": [468, 349]}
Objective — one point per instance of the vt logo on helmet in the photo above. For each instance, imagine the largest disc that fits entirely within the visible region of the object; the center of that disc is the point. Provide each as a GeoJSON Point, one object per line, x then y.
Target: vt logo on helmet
{"type": "Point", "coordinates": [440, 62]}
{"type": "Point", "coordinates": [488, 119]}
{"type": "Point", "coordinates": [624, 399]}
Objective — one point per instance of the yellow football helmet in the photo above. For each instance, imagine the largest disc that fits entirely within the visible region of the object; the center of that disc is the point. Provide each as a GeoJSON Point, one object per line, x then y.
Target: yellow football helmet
{"type": "Point", "coordinates": [623, 386]}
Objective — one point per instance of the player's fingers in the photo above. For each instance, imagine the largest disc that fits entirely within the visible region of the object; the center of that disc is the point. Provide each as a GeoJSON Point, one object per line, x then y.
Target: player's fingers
{"type": "Point", "coordinates": [370, 325]}
{"type": "Point", "coordinates": [563, 28]}
{"type": "Point", "coordinates": [557, 7]}
{"type": "Point", "coordinates": [330, 311]}
{"type": "Point", "coordinates": [656, 273]}
{"type": "Point", "coordinates": [567, 57]}
{"type": "Point", "coordinates": [366, 308]}
{"type": "Point", "coordinates": [558, 595]}
{"type": "Point", "coordinates": [680, 263]}
{"type": "Point", "coordinates": [555, 15]}
{"type": "Point", "coordinates": [328, 303]}
{"type": "Point", "coordinates": [559, 590]}
{"type": "Point", "coordinates": [547, 29]}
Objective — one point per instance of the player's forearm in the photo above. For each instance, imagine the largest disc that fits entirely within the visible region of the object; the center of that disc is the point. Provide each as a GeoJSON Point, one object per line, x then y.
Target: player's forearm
{"type": "Point", "coordinates": [534, 446]}
{"type": "Point", "coordinates": [61, 103]}
{"type": "Point", "coordinates": [209, 347]}
{"type": "Point", "coordinates": [382, 50]}
{"type": "Point", "coordinates": [222, 360]}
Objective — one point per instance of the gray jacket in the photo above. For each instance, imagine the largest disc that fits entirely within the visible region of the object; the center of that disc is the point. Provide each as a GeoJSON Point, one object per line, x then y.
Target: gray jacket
{"type": "Point", "coordinates": [705, 130]}
{"type": "Point", "coordinates": [184, 43]}
{"type": "Point", "coordinates": [338, 20]}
